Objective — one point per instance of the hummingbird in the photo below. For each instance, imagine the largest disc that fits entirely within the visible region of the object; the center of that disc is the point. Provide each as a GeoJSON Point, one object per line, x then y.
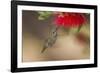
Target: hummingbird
{"type": "Point", "coordinates": [51, 39]}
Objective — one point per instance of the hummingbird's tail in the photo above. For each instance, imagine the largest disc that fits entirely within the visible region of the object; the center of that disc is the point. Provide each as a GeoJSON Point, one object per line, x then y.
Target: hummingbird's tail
{"type": "Point", "coordinates": [44, 48]}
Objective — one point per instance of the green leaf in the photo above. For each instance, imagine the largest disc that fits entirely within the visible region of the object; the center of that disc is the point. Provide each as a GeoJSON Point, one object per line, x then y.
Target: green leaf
{"type": "Point", "coordinates": [41, 18]}
{"type": "Point", "coordinates": [44, 15]}
{"type": "Point", "coordinates": [79, 28]}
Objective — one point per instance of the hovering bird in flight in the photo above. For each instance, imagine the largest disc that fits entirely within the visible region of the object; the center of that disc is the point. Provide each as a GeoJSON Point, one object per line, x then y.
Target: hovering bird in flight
{"type": "Point", "coordinates": [50, 40]}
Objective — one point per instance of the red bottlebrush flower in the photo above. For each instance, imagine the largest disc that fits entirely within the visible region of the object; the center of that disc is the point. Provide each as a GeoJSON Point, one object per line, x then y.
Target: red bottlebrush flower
{"type": "Point", "coordinates": [70, 19]}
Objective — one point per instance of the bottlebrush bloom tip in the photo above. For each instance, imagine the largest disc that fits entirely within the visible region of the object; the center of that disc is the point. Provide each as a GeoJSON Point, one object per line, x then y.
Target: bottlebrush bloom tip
{"type": "Point", "coordinates": [70, 19]}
